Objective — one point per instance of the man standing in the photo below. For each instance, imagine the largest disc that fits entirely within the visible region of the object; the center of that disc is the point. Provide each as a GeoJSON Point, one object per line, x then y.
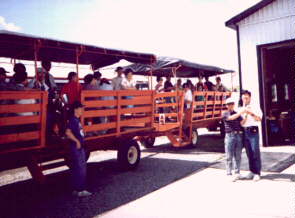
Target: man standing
{"type": "Point", "coordinates": [233, 138]}
{"type": "Point", "coordinates": [252, 116]}
{"type": "Point", "coordinates": [117, 81]}
{"type": "Point", "coordinates": [77, 157]}
{"type": "Point", "coordinates": [219, 86]}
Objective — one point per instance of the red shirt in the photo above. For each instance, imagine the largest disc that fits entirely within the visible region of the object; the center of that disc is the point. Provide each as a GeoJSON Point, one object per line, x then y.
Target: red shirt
{"type": "Point", "coordinates": [73, 91]}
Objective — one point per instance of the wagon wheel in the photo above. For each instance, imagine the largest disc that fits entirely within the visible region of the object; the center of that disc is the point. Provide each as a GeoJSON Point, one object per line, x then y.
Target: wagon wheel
{"type": "Point", "coordinates": [148, 142]}
{"type": "Point", "coordinates": [128, 155]}
{"type": "Point", "coordinates": [195, 136]}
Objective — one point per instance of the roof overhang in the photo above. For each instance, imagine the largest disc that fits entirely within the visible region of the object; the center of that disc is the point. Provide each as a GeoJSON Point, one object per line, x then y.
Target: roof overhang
{"type": "Point", "coordinates": [232, 23]}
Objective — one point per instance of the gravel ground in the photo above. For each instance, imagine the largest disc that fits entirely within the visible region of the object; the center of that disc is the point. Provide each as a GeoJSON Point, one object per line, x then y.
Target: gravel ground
{"type": "Point", "coordinates": [111, 187]}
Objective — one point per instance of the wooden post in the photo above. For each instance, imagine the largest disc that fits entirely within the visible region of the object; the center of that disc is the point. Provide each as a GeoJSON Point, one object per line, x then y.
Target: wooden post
{"type": "Point", "coordinates": [44, 100]}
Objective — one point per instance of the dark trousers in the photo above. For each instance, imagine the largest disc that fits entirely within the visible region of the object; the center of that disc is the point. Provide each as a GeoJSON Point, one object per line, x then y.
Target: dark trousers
{"type": "Point", "coordinates": [77, 167]}
{"type": "Point", "coordinates": [251, 143]}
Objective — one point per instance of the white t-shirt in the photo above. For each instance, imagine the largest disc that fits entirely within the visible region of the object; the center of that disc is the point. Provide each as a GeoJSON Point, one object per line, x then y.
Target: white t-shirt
{"type": "Point", "coordinates": [117, 83]}
{"type": "Point", "coordinates": [128, 84]}
{"type": "Point", "coordinates": [188, 96]}
{"type": "Point", "coordinates": [250, 119]}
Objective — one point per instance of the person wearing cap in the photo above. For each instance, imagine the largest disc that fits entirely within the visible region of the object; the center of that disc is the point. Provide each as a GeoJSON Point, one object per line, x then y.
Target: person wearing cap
{"type": "Point", "coordinates": [39, 81]}
{"type": "Point", "coordinates": [3, 83]}
{"type": "Point", "coordinates": [253, 117]}
{"type": "Point", "coordinates": [233, 138]}
{"type": "Point", "coordinates": [72, 89]}
{"type": "Point", "coordinates": [78, 165]}
{"type": "Point", "coordinates": [117, 81]}
{"type": "Point", "coordinates": [49, 80]}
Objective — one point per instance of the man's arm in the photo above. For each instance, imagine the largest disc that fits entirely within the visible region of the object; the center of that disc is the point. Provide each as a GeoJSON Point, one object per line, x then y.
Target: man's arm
{"type": "Point", "coordinates": [256, 114]}
{"type": "Point", "coordinates": [236, 116]}
{"type": "Point", "coordinates": [71, 136]}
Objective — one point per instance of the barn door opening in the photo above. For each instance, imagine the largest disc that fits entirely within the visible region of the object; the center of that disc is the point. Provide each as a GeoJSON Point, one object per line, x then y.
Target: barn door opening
{"type": "Point", "coordinates": [277, 85]}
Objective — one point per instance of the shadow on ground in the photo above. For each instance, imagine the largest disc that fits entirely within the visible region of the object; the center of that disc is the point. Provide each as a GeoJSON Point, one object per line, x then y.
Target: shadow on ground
{"type": "Point", "coordinates": [110, 186]}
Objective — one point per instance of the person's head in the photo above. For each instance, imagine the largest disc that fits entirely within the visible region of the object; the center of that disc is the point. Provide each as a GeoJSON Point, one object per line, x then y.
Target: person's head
{"type": "Point", "coordinates": [119, 71]}
{"type": "Point", "coordinates": [19, 68]}
{"type": "Point", "coordinates": [186, 86]}
{"type": "Point", "coordinates": [73, 77]}
{"type": "Point", "coordinates": [230, 104]}
{"type": "Point", "coordinates": [129, 74]}
{"type": "Point", "coordinates": [218, 80]}
{"type": "Point", "coordinates": [168, 78]}
{"type": "Point", "coordinates": [206, 78]}
{"type": "Point", "coordinates": [40, 74]}
{"type": "Point", "coordinates": [2, 74]}
{"type": "Point", "coordinates": [159, 79]}
{"type": "Point", "coordinates": [89, 79]}
{"type": "Point", "coordinates": [246, 97]}
{"type": "Point", "coordinates": [200, 78]}
{"type": "Point", "coordinates": [46, 65]}
{"type": "Point", "coordinates": [21, 78]}
{"type": "Point", "coordinates": [97, 75]}
{"type": "Point", "coordinates": [179, 82]}
{"type": "Point", "coordinates": [77, 108]}
{"type": "Point", "coordinates": [200, 87]}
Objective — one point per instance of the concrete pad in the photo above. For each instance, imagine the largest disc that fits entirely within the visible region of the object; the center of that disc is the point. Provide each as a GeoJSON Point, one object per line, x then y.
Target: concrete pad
{"type": "Point", "coordinates": [210, 193]}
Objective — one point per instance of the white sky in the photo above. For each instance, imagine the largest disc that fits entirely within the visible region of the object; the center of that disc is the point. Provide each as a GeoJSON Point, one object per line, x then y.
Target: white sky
{"type": "Point", "coordinates": [189, 29]}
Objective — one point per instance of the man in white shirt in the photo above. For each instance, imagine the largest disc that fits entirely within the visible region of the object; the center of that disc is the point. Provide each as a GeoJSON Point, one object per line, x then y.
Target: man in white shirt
{"type": "Point", "coordinates": [39, 81]}
{"type": "Point", "coordinates": [252, 119]}
{"type": "Point", "coordinates": [117, 81]}
{"type": "Point", "coordinates": [188, 96]}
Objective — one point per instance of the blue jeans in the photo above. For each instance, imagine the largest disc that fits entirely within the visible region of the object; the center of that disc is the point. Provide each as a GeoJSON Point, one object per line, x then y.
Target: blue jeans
{"type": "Point", "coordinates": [251, 142]}
{"type": "Point", "coordinates": [77, 167]}
{"type": "Point", "coordinates": [233, 150]}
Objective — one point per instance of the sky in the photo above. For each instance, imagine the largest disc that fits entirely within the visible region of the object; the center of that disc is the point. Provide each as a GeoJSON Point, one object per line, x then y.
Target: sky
{"type": "Point", "coordinates": [189, 29]}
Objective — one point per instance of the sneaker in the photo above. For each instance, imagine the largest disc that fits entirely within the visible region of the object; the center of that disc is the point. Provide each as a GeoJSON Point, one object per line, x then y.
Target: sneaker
{"type": "Point", "coordinates": [236, 177]}
{"type": "Point", "coordinates": [256, 177]}
{"type": "Point", "coordinates": [250, 175]}
{"type": "Point", "coordinates": [81, 193]}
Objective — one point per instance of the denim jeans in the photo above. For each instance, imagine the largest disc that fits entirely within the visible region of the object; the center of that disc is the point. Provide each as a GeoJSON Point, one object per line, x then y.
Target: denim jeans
{"type": "Point", "coordinates": [233, 150]}
{"type": "Point", "coordinates": [251, 142]}
{"type": "Point", "coordinates": [77, 167]}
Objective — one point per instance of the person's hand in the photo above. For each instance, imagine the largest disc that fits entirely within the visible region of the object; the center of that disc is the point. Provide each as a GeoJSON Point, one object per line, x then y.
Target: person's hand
{"type": "Point", "coordinates": [78, 144]}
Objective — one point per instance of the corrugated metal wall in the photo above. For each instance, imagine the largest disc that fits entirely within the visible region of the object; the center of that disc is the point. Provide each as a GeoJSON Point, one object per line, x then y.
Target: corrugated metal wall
{"type": "Point", "coordinates": [273, 23]}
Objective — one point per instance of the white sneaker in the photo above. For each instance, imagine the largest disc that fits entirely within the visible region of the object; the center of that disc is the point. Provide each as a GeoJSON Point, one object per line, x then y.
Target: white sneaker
{"type": "Point", "coordinates": [81, 193]}
{"type": "Point", "coordinates": [256, 177]}
{"type": "Point", "coordinates": [236, 177]}
{"type": "Point", "coordinates": [250, 175]}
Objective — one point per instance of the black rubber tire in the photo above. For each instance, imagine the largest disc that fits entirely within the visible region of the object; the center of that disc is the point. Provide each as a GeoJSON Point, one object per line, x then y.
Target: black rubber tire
{"type": "Point", "coordinates": [128, 155]}
{"type": "Point", "coordinates": [148, 142]}
{"type": "Point", "coordinates": [195, 137]}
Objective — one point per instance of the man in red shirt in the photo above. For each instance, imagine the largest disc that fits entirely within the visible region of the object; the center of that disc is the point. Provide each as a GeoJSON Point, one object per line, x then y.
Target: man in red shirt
{"type": "Point", "coordinates": [72, 89]}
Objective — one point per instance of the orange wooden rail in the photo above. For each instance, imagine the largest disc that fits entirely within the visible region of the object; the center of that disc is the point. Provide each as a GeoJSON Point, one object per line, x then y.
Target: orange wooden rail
{"type": "Point", "coordinates": [22, 120]}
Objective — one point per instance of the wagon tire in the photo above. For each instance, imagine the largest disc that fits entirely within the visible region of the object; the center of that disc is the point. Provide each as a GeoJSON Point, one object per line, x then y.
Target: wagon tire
{"type": "Point", "coordinates": [128, 155]}
{"type": "Point", "coordinates": [148, 142]}
{"type": "Point", "coordinates": [195, 137]}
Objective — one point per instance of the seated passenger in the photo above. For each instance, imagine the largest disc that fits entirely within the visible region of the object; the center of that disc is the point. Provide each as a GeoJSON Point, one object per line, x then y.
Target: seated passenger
{"type": "Point", "coordinates": [90, 83]}
{"type": "Point", "coordinates": [49, 80]}
{"type": "Point", "coordinates": [219, 86]}
{"type": "Point", "coordinates": [39, 81]}
{"type": "Point", "coordinates": [3, 82]}
{"type": "Point", "coordinates": [117, 81]}
{"type": "Point", "coordinates": [159, 87]}
{"type": "Point", "coordinates": [208, 85]}
{"type": "Point", "coordinates": [200, 85]}
{"type": "Point", "coordinates": [128, 83]}
{"type": "Point", "coordinates": [178, 85]}
{"type": "Point", "coordinates": [97, 77]}
{"type": "Point", "coordinates": [72, 89]}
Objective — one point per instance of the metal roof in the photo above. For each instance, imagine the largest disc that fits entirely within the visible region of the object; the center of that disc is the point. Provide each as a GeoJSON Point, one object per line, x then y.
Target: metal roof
{"type": "Point", "coordinates": [21, 46]}
{"type": "Point", "coordinates": [232, 22]}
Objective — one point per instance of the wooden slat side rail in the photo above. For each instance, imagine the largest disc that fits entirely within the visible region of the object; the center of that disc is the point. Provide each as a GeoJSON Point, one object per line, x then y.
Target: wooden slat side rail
{"type": "Point", "coordinates": [167, 114]}
{"type": "Point", "coordinates": [139, 120]}
{"type": "Point", "coordinates": [98, 93]}
{"type": "Point", "coordinates": [43, 118]}
{"type": "Point", "coordinates": [166, 105]}
{"type": "Point", "coordinates": [100, 113]}
{"type": "Point", "coordinates": [137, 101]}
{"type": "Point", "coordinates": [100, 103]}
{"type": "Point", "coordinates": [135, 92]}
{"type": "Point", "coordinates": [17, 95]}
{"type": "Point", "coordinates": [19, 108]}
{"type": "Point", "coordinates": [18, 120]}
{"type": "Point", "coordinates": [165, 94]}
{"type": "Point", "coordinates": [147, 109]}
{"type": "Point", "coordinates": [25, 136]}
{"type": "Point", "coordinates": [102, 126]}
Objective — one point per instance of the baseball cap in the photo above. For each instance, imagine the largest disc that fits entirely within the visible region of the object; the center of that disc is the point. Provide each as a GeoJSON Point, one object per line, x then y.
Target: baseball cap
{"type": "Point", "coordinates": [230, 101]}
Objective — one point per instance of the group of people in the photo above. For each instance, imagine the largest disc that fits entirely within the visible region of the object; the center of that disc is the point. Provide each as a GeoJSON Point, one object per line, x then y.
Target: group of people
{"type": "Point", "coordinates": [242, 130]}
{"type": "Point", "coordinates": [189, 88]}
